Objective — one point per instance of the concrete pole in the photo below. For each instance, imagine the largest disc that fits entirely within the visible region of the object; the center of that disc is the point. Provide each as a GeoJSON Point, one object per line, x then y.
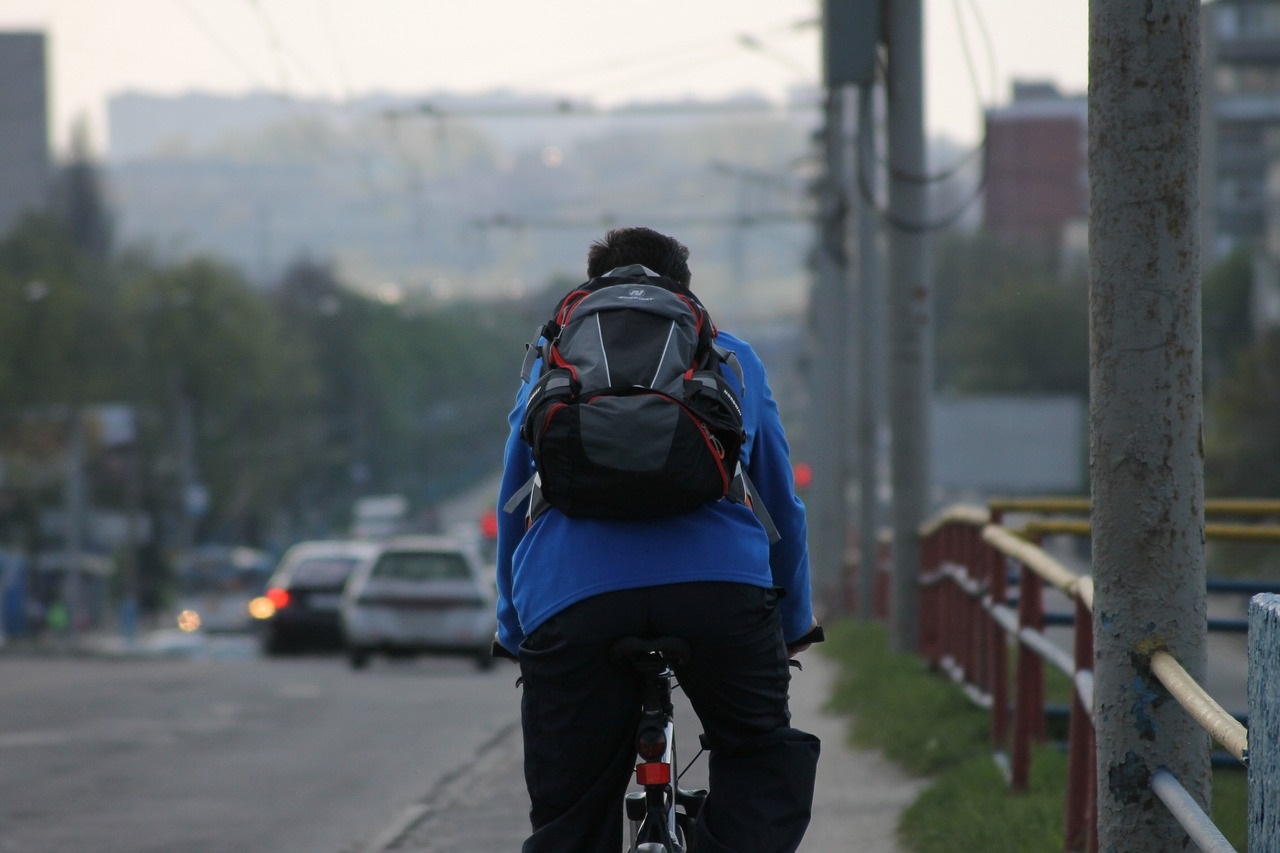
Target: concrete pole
{"type": "Point", "coordinates": [867, 342]}
{"type": "Point", "coordinates": [1264, 723]}
{"type": "Point", "coordinates": [74, 521]}
{"type": "Point", "coordinates": [910, 305]}
{"type": "Point", "coordinates": [1146, 455]}
{"type": "Point", "coordinates": [828, 515]}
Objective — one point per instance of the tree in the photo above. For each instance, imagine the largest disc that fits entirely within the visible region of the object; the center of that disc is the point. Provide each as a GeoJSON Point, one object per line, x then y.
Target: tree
{"type": "Point", "coordinates": [47, 329]}
{"type": "Point", "coordinates": [1243, 451]}
{"type": "Point", "coordinates": [1006, 323]}
{"type": "Point", "coordinates": [209, 350]}
{"type": "Point", "coordinates": [1228, 322]}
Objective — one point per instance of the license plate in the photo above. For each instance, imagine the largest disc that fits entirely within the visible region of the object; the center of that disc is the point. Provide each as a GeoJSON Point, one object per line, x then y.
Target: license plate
{"type": "Point", "coordinates": [325, 602]}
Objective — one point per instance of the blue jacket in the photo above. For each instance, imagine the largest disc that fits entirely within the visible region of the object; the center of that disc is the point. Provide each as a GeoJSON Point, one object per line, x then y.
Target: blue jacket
{"type": "Point", "coordinates": [560, 560]}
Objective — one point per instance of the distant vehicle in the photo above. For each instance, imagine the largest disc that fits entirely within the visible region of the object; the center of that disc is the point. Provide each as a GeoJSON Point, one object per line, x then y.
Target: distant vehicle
{"type": "Point", "coordinates": [216, 585]}
{"type": "Point", "coordinates": [420, 595]}
{"type": "Point", "coordinates": [300, 610]}
{"type": "Point", "coordinates": [379, 516]}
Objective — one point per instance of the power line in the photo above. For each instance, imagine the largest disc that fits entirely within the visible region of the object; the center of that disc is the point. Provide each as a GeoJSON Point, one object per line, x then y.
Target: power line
{"type": "Point", "coordinates": [775, 217]}
{"type": "Point", "coordinates": [203, 26]}
{"type": "Point", "coordinates": [284, 54]}
{"type": "Point", "coordinates": [641, 59]}
{"type": "Point", "coordinates": [335, 45]}
{"type": "Point", "coordinates": [565, 108]}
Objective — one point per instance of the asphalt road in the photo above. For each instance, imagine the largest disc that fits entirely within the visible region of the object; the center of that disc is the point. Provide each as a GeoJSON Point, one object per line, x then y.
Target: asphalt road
{"type": "Point", "coordinates": [227, 752]}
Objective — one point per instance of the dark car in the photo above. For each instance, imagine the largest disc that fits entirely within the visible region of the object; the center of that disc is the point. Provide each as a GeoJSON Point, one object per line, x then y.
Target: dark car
{"type": "Point", "coordinates": [304, 596]}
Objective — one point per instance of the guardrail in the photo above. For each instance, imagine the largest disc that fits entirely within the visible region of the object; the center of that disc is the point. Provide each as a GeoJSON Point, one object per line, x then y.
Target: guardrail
{"type": "Point", "coordinates": [967, 621]}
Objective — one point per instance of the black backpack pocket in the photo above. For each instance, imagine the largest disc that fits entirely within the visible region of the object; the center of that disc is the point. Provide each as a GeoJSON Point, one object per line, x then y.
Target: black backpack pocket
{"type": "Point", "coordinates": [631, 453]}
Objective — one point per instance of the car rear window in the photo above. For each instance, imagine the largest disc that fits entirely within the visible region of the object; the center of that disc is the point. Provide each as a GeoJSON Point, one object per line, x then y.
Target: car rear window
{"type": "Point", "coordinates": [421, 566]}
{"type": "Point", "coordinates": [323, 571]}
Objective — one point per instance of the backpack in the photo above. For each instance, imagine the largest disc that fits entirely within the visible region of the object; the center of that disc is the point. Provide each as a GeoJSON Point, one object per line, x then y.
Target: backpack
{"type": "Point", "coordinates": [631, 416]}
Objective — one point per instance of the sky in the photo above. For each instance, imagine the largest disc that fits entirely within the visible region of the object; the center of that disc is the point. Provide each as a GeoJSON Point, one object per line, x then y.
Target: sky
{"type": "Point", "coordinates": [604, 51]}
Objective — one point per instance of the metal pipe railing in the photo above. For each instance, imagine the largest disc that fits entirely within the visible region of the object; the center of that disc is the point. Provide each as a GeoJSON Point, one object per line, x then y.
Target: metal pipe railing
{"type": "Point", "coordinates": [967, 578]}
{"type": "Point", "coordinates": [1203, 708]}
{"type": "Point", "coordinates": [1204, 833]}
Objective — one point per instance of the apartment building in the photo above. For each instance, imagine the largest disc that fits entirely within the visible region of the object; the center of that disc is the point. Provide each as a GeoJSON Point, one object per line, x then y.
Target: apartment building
{"type": "Point", "coordinates": [25, 168]}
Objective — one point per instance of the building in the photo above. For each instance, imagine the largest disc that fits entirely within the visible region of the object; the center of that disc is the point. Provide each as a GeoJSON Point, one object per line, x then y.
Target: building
{"type": "Point", "coordinates": [25, 169]}
{"type": "Point", "coordinates": [1241, 110]}
{"type": "Point", "coordinates": [1036, 162]}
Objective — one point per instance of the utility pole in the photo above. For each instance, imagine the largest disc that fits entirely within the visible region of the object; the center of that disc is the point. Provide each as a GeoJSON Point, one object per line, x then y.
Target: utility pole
{"type": "Point", "coordinates": [850, 35]}
{"type": "Point", "coordinates": [867, 343]}
{"type": "Point", "coordinates": [1146, 458]}
{"type": "Point", "coordinates": [910, 342]}
{"type": "Point", "coordinates": [74, 511]}
{"type": "Point", "coordinates": [829, 400]}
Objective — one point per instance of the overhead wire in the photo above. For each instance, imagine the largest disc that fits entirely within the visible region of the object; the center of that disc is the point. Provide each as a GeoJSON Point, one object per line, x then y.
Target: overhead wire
{"type": "Point", "coordinates": [209, 33]}
{"type": "Point", "coordinates": [640, 59]}
{"type": "Point", "coordinates": [284, 54]}
{"type": "Point", "coordinates": [335, 46]}
{"type": "Point", "coordinates": [961, 163]}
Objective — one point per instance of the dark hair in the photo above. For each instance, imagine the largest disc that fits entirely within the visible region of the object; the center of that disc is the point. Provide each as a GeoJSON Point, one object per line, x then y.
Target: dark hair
{"type": "Point", "coordinates": [639, 245]}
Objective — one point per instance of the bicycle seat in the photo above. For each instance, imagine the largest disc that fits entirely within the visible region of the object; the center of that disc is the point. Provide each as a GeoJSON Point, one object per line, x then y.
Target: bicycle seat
{"type": "Point", "coordinates": [632, 649]}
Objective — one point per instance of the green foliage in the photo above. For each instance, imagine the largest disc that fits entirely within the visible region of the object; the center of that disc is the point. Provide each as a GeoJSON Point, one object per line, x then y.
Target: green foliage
{"type": "Point", "coordinates": [1227, 325]}
{"type": "Point", "coordinates": [1231, 804]}
{"type": "Point", "coordinates": [51, 334]}
{"type": "Point", "coordinates": [298, 399]}
{"type": "Point", "coordinates": [201, 339]}
{"type": "Point", "coordinates": [970, 807]}
{"type": "Point", "coordinates": [1006, 323]}
{"type": "Point", "coordinates": [925, 724]}
{"type": "Point", "coordinates": [1242, 451]}
{"type": "Point", "coordinates": [943, 729]}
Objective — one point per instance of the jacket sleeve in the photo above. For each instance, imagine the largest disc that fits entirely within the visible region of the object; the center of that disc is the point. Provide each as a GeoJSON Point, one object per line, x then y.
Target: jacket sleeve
{"type": "Point", "coordinates": [517, 469]}
{"type": "Point", "coordinates": [769, 467]}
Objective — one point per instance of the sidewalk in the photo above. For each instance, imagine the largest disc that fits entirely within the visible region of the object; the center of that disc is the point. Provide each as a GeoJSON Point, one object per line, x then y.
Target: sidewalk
{"type": "Point", "coordinates": [483, 807]}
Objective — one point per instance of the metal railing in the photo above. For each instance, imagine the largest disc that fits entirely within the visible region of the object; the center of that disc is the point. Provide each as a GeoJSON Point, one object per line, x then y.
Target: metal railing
{"type": "Point", "coordinates": [967, 619]}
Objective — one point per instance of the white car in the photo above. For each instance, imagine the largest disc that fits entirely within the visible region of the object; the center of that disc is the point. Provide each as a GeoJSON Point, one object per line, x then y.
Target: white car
{"type": "Point", "coordinates": [420, 595]}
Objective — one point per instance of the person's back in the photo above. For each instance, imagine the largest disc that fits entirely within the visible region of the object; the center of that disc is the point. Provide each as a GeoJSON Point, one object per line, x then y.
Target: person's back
{"type": "Point", "coordinates": [569, 586]}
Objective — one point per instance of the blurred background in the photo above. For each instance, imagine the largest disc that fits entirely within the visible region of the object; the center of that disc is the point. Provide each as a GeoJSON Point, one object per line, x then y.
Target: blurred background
{"type": "Point", "coordinates": [264, 263]}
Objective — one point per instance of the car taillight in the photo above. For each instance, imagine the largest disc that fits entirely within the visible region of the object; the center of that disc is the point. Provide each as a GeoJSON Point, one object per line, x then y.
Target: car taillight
{"type": "Point", "coordinates": [279, 597]}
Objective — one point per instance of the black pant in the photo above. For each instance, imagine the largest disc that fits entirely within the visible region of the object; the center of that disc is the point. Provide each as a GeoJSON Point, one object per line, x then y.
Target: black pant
{"type": "Point", "coordinates": [580, 712]}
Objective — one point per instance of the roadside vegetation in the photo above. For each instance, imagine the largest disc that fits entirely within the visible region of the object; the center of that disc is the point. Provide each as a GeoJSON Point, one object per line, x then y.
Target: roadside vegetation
{"type": "Point", "coordinates": [925, 724]}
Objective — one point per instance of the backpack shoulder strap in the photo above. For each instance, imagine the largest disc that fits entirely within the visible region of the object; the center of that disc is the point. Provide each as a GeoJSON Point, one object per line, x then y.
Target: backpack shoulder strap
{"type": "Point", "coordinates": [538, 504]}
{"type": "Point", "coordinates": [744, 491]}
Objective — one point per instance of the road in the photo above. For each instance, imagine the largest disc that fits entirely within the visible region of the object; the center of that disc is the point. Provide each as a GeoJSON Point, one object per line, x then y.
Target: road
{"type": "Point", "coordinates": [229, 752]}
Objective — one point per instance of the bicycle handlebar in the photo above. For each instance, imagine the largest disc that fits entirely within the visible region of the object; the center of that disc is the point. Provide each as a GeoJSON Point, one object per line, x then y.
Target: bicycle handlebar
{"type": "Point", "coordinates": [500, 651]}
{"type": "Point", "coordinates": [815, 635]}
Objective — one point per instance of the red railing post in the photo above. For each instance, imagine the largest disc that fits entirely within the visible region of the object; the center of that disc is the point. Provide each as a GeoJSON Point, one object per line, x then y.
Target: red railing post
{"type": "Point", "coordinates": [930, 551]}
{"type": "Point", "coordinates": [1081, 822]}
{"type": "Point", "coordinates": [972, 608]}
{"type": "Point", "coordinates": [884, 553]}
{"type": "Point", "coordinates": [998, 652]}
{"type": "Point", "coordinates": [1028, 720]}
{"type": "Point", "coordinates": [954, 616]}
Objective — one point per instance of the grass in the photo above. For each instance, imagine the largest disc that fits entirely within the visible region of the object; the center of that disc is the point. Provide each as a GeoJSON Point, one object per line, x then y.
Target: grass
{"type": "Point", "coordinates": [925, 724]}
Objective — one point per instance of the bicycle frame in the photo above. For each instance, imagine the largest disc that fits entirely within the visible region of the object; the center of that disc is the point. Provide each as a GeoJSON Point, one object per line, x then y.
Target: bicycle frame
{"type": "Point", "coordinates": [660, 816]}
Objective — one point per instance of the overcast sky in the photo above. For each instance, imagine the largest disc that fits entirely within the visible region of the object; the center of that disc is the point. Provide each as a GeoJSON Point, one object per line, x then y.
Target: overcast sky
{"type": "Point", "coordinates": [602, 50]}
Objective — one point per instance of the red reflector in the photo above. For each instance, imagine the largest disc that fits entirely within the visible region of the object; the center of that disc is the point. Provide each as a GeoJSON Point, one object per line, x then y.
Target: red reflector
{"type": "Point", "coordinates": [653, 773]}
{"type": "Point", "coordinates": [278, 597]}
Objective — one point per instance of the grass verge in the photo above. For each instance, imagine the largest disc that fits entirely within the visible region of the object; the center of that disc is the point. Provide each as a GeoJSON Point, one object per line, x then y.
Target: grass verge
{"type": "Point", "coordinates": [925, 724]}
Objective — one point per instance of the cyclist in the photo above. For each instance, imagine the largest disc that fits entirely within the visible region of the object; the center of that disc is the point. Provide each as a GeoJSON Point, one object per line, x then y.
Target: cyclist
{"type": "Point", "coordinates": [568, 588]}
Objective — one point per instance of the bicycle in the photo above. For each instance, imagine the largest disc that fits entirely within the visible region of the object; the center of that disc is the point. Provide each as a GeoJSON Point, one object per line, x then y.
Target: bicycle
{"type": "Point", "coordinates": [662, 815]}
